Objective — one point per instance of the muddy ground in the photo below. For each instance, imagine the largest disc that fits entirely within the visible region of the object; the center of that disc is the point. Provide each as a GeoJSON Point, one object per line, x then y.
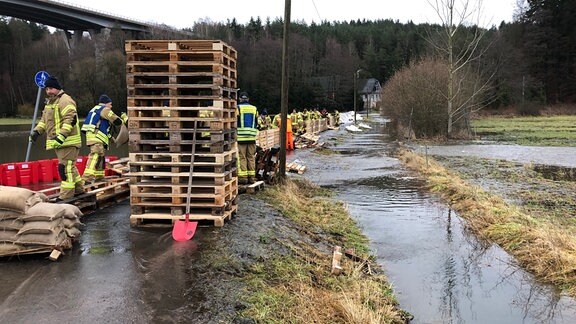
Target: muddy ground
{"type": "Point", "coordinates": [542, 191]}
{"type": "Point", "coordinates": [252, 236]}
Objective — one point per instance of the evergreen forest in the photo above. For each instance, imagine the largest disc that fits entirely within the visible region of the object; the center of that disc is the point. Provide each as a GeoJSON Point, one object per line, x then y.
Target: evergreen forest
{"type": "Point", "coordinates": [532, 59]}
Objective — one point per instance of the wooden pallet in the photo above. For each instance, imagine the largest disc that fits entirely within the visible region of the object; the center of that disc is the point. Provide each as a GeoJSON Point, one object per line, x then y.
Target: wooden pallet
{"type": "Point", "coordinates": [167, 220]}
{"type": "Point", "coordinates": [151, 146]}
{"type": "Point", "coordinates": [157, 136]}
{"type": "Point", "coordinates": [214, 179]}
{"type": "Point", "coordinates": [179, 123]}
{"type": "Point", "coordinates": [181, 91]}
{"type": "Point", "coordinates": [181, 56]}
{"type": "Point", "coordinates": [251, 188]}
{"type": "Point", "coordinates": [180, 46]}
{"type": "Point", "coordinates": [165, 188]}
{"type": "Point", "coordinates": [111, 190]}
{"type": "Point", "coordinates": [296, 168]}
{"type": "Point", "coordinates": [53, 252]}
{"type": "Point", "coordinates": [180, 78]}
{"type": "Point", "coordinates": [177, 196]}
{"type": "Point", "coordinates": [180, 167]}
{"type": "Point", "coordinates": [218, 110]}
{"type": "Point", "coordinates": [134, 68]}
{"type": "Point", "coordinates": [201, 159]}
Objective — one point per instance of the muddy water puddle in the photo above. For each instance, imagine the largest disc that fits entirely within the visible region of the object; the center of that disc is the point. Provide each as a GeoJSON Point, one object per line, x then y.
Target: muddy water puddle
{"type": "Point", "coordinates": [441, 273]}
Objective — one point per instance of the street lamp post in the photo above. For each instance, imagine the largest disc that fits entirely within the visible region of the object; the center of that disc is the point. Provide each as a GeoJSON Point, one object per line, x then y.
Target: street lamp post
{"type": "Point", "coordinates": [355, 90]}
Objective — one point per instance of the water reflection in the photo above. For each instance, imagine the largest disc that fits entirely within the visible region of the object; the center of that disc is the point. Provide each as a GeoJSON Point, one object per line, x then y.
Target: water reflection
{"type": "Point", "coordinates": [14, 140]}
{"type": "Point", "coordinates": [441, 273]}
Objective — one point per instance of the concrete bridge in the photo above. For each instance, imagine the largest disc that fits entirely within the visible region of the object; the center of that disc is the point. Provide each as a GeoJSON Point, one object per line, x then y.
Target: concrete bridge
{"type": "Point", "coordinates": [74, 20]}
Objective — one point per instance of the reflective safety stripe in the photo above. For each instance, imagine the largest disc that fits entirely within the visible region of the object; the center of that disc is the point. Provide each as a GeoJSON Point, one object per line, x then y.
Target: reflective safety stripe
{"type": "Point", "coordinates": [247, 123]}
{"type": "Point", "coordinates": [69, 182]}
{"type": "Point", "coordinates": [71, 140]}
{"type": "Point", "coordinates": [97, 128]}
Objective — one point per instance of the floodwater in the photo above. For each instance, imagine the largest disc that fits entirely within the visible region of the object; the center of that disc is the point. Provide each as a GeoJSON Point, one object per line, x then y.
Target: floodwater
{"type": "Point", "coordinates": [14, 144]}
{"type": "Point", "coordinates": [441, 273]}
{"type": "Point", "coordinates": [556, 156]}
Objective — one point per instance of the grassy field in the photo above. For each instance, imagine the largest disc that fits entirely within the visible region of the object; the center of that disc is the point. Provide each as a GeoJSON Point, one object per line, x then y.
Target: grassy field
{"type": "Point", "coordinates": [535, 224]}
{"type": "Point", "coordinates": [297, 287]}
{"type": "Point", "coordinates": [15, 121]}
{"type": "Point", "coordinates": [538, 131]}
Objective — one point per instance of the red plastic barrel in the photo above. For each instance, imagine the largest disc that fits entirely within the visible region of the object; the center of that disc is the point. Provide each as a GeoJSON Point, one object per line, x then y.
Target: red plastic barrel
{"type": "Point", "coordinates": [46, 171]}
{"type": "Point", "coordinates": [110, 158]}
{"type": "Point", "coordinates": [9, 174]}
{"type": "Point", "coordinates": [81, 164]}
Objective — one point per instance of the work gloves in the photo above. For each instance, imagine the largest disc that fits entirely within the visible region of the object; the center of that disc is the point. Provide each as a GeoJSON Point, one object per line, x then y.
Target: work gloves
{"type": "Point", "coordinates": [33, 136]}
{"type": "Point", "coordinates": [124, 118]}
{"type": "Point", "coordinates": [58, 141]}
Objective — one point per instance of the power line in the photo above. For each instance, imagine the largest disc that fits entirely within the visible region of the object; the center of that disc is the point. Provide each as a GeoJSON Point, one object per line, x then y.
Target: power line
{"type": "Point", "coordinates": [317, 12]}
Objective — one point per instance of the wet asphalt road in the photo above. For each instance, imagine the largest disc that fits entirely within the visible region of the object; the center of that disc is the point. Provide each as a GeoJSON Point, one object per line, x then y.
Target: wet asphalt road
{"type": "Point", "coordinates": [114, 274]}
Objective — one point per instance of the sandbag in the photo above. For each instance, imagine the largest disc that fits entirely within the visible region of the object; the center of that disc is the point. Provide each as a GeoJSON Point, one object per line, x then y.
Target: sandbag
{"type": "Point", "coordinates": [73, 232]}
{"type": "Point", "coordinates": [72, 223]}
{"type": "Point", "coordinates": [122, 137]}
{"type": "Point", "coordinates": [42, 239]}
{"type": "Point", "coordinates": [71, 211]}
{"type": "Point", "coordinates": [10, 249]}
{"type": "Point", "coordinates": [19, 199]}
{"type": "Point", "coordinates": [42, 227]}
{"type": "Point", "coordinates": [8, 236]}
{"type": "Point", "coordinates": [11, 224]}
{"type": "Point", "coordinates": [44, 212]}
{"type": "Point", "coordinates": [9, 214]}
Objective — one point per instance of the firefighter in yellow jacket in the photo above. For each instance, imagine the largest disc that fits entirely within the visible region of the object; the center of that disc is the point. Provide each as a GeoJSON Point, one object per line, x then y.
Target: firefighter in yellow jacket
{"type": "Point", "coordinates": [59, 122]}
{"type": "Point", "coordinates": [97, 129]}
{"type": "Point", "coordinates": [247, 134]}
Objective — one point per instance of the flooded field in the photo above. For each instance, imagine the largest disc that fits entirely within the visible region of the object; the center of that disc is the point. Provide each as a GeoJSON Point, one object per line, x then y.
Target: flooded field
{"type": "Point", "coordinates": [441, 273]}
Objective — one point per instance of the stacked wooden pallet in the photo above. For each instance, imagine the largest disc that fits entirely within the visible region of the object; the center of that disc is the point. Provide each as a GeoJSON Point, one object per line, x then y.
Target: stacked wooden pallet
{"type": "Point", "coordinates": [268, 138]}
{"type": "Point", "coordinates": [177, 89]}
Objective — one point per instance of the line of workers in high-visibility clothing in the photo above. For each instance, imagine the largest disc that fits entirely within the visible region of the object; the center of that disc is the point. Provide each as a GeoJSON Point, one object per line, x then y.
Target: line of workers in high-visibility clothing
{"type": "Point", "coordinates": [297, 119]}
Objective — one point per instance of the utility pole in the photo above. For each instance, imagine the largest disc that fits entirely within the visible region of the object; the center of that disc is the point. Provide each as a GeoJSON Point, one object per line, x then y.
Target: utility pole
{"type": "Point", "coordinates": [355, 90]}
{"type": "Point", "coordinates": [284, 95]}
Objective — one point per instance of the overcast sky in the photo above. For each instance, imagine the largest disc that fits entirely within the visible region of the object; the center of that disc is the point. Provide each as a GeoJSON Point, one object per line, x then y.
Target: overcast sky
{"type": "Point", "coordinates": [183, 13]}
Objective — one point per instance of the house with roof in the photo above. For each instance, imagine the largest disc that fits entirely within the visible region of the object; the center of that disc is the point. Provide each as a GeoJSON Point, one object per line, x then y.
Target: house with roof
{"type": "Point", "coordinates": [371, 93]}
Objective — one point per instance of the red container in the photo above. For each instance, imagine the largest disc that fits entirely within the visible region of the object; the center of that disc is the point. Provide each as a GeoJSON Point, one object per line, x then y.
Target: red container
{"type": "Point", "coordinates": [35, 166]}
{"type": "Point", "coordinates": [81, 164]}
{"type": "Point", "coordinates": [9, 174]}
{"type": "Point", "coordinates": [55, 170]}
{"type": "Point", "coordinates": [108, 159]}
{"type": "Point", "coordinates": [24, 173]}
{"type": "Point", "coordinates": [46, 171]}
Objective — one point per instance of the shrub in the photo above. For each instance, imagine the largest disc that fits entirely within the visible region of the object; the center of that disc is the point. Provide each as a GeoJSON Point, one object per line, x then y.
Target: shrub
{"type": "Point", "coordinates": [411, 97]}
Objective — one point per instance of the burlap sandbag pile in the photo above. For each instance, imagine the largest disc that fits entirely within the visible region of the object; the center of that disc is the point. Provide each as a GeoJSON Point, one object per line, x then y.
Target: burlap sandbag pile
{"type": "Point", "coordinates": [28, 222]}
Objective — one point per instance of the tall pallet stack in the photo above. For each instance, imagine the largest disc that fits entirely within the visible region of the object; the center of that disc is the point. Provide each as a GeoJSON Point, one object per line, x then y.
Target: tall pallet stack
{"type": "Point", "coordinates": [177, 89]}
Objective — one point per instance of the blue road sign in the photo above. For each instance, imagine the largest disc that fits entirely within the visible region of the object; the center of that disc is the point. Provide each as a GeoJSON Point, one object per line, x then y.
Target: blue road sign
{"type": "Point", "coordinates": [40, 78]}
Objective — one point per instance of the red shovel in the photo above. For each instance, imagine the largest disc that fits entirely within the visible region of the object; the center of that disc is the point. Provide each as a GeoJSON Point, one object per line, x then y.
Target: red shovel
{"type": "Point", "coordinates": [184, 230]}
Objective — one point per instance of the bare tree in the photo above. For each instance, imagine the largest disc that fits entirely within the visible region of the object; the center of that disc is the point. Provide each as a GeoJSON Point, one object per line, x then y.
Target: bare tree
{"type": "Point", "coordinates": [460, 42]}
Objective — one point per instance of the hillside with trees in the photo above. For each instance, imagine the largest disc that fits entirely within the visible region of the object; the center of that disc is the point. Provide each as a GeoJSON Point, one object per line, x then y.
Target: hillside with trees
{"type": "Point", "coordinates": [528, 63]}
